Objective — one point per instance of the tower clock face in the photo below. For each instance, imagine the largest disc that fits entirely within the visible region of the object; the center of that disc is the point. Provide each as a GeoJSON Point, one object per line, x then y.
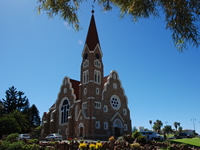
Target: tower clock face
{"type": "Point", "coordinates": [86, 56]}
{"type": "Point", "coordinates": [115, 102]}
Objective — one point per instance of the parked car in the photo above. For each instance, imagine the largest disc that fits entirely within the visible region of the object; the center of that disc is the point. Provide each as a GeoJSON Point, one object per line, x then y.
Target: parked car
{"type": "Point", "coordinates": [183, 135]}
{"type": "Point", "coordinates": [180, 136]}
{"type": "Point", "coordinates": [24, 136]}
{"type": "Point", "coordinates": [150, 135]}
{"type": "Point", "coordinates": [54, 136]}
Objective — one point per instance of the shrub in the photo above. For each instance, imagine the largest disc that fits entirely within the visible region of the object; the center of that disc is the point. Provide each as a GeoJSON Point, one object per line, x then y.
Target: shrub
{"type": "Point", "coordinates": [141, 139]}
{"type": "Point", "coordinates": [12, 137]}
{"type": "Point", "coordinates": [92, 146]}
{"type": "Point", "coordinates": [82, 146]}
{"type": "Point", "coordinates": [135, 146]}
{"type": "Point", "coordinates": [36, 133]}
{"type": "Point", "coordinates": [31, 147]}
{"type": "Point", "coordinates": [32, 141]}
{"type": "Point", "coordinates": [170, 147]}
{"type": "Point", "coordinates": [98, 141]}
{"type": "Point", "coordinates": [98, 145]}
{"type": "Point", "coordinates": [7, 145]}
{"type": "Point", "coordinates": [136, 134]}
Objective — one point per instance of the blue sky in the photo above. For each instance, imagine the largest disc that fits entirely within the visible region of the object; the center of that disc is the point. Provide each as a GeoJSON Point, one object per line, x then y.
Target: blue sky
{"type": "Point", "coordinates": [36, 53]}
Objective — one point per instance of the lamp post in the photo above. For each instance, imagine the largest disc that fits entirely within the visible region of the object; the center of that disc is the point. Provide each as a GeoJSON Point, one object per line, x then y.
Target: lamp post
{"type": "Point", "coordinates": [193, 119]}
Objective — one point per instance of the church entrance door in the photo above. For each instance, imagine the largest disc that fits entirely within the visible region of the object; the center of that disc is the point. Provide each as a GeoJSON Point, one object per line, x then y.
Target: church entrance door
{"type": "Point", "coordinates": [81, 131]}
{"type": "Point", "coordinates": [117, 132]}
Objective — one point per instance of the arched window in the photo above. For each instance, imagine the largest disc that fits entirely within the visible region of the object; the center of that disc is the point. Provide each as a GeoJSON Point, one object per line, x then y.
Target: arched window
{"type": "Point", "coordinates": [64, 111]}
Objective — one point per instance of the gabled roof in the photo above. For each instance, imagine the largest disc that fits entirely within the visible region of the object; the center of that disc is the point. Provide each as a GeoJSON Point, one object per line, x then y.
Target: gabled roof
{"type": "Point", "coordinates": [92, 37]}
{"type": "Point", "coordinates": [105, 79]}
{"type": "Point", "coordinates": [75, 86]}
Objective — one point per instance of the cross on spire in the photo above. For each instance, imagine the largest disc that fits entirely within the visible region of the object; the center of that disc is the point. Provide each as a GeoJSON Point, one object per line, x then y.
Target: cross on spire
{"type": "Point", "coordinates": [92, 9]}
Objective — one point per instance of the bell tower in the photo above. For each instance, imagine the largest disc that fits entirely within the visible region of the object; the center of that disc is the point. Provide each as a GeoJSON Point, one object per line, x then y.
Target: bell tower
{"type": "Point", "coordinates": [91, 75]}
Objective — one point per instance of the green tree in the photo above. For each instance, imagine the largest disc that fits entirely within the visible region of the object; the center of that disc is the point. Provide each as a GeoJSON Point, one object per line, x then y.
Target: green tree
{"type": "Point", "coordinates": [14, 100]}
{"type": "Point", "coordinates": [150, 121]}
{"type": "Point", "coordinates": [34, 116]}
{"type": "Point", "coordinates": [36, 133]}
{"type": "Point", "coordinates": [181, 16]}
{"type": "Point", "coordinates": [175, 125]}
{"type": "Point", "coordinates": [167, 129]}
{"type": "Point", "coordinates": [15, 122]}
{"type": "Point", "coordinates": [180, 129]}
{"type": "Point", "coordinates": [157, 126]}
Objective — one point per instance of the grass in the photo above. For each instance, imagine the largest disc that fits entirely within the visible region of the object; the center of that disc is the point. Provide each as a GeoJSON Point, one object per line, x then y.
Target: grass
{"type": "Point", "coordinates": [191, 142]}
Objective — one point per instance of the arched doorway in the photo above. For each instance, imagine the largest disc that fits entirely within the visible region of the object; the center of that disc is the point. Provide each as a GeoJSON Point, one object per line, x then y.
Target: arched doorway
{"type": "Point", "coordinates": [118, 128]}
{"type": "Point", "coordinates": [81, 127]}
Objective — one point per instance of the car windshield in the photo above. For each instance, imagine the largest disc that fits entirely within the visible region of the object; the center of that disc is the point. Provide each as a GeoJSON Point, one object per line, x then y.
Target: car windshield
{"type": "Point", "coordinates": [25, 135]}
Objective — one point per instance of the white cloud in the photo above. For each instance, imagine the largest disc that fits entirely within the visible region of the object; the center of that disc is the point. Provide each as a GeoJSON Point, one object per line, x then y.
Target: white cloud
{"type": "Point", "coordinates": [67, 25]}
{"type": "Point", "coordinates": [80, 42]}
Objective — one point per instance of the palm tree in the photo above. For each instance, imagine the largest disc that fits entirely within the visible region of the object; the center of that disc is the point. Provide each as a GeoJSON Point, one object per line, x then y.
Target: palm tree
{"type": "Point", "coordinates": [22, 120]}
{"type": "Point", "coordinates": [150, 121]}
{"type": "Point", "coordinates": [176, 125]}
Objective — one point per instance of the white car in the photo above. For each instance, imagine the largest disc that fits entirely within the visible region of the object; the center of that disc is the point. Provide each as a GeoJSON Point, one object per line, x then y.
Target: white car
{"type": "Point", "coordinates": [24, 136]}
{"type": "Point", "coordinates": [54, 137]}
{"type": "Point", "coordinates": [150, 135]}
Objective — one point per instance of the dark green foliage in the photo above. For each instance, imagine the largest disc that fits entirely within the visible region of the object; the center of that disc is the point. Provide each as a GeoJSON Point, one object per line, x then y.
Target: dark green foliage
{"type": "Point", "coordinates": [136, 134]}
{"type": "Point", "coordinates": [14, 122]}
{"type": "Point", "coordinates": [36, 133]}
{"type": "Point", "coordinates": [157, 126]}
{"type": "Point", "coordinates": [167, 129]}
{"type": "Point", "coordinates": [8, 125]}
{"type": "Point", "coordinates": [170, 148]}
{"type": "Point", "coordinates": [12, 137]}
{"type": "Point", "coordinates": [34, 116]}
{"type": "Point", "coordinates": [182, 17]}
{"type": "Point", "coordinates": [33, 141]}
{"type": "Point", "coordinates": [31, 147]}
{"type": "Point", "coordinates": [14, 100]}
{"type": "Point", "coordinates": [6, 145]}
{"type": "Point", "coordinates": [141, 139]}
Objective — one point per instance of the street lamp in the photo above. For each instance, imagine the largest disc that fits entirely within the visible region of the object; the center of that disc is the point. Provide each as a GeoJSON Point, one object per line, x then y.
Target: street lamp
{"type": "Point", "coordinates": [193, 119]}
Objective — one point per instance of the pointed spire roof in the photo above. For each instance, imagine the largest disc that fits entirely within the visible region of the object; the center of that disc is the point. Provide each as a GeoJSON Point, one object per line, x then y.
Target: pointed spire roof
{"type": "Point", "coordinates": [92, 37]}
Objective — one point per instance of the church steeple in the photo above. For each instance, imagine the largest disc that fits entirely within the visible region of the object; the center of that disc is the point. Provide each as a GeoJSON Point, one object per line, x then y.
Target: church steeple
{"type": "Point", "coordinates": [92, 37]}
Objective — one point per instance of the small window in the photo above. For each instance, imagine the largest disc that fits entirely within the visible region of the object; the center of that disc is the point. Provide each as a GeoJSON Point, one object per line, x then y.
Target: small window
{"type": "Point", "coordinates": [97, 91]}
{"type": "Point", "coordinates": [105, 125]}
{"type": "Point", "coordinates": [85, 77]}
{"type": "Point", "coordinates": [105, 108]}
{"type": "Point", "coordinates": [85, 91]}
{"type": "Point", "coordinates": [125, 127]}
{"type": "Point", "coordinates": [65, 90]}
{"type": "Point", "coordinates": [97, 63]}
{"type": "Point", "coordinates": [114, 85]}
{"type": "Point", "coordinates": [84, 105]}
{"type": "Point", "coordinates": [114, 76]}
{"type": "Point", "coordinates": [97, 76]}
{"type": "Point", "coordinates": [97, 105]}
{"type": "Point", "coordinates": [97, 125]}
{"type": "Point", "coordinates": [124, 111]}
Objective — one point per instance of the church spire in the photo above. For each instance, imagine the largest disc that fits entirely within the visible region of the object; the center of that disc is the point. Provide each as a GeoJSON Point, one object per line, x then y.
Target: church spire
{"type": "Point", "coordinates": [92, 37]}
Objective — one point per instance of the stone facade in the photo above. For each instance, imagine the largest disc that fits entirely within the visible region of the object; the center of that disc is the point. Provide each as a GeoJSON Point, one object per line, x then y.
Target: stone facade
{"type": "Point", "coordinates": [95, 107]}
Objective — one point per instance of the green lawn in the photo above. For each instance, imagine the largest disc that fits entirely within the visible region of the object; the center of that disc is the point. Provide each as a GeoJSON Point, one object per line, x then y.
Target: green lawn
{"type": "Point", "coordinates": [193, 141]}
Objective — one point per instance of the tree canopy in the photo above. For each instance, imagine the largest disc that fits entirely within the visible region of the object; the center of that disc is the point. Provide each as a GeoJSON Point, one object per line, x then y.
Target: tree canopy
{"type": "Point", "coordinates": [15, 113]}
{"type": "Point", "coordinates": [181, 16]}
{"type": "Point", "coordinates": [14, 100]}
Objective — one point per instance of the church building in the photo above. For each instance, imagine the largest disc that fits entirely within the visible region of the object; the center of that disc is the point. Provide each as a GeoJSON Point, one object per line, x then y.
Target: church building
{"type": "Point", "coordinates": [95, 107]}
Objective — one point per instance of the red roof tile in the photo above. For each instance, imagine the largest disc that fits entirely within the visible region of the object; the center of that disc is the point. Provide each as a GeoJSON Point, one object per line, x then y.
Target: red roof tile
{"type": "Point", "coordinates": [75, 86]}
{"type": "Point", "coordinates": [105, 79]}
